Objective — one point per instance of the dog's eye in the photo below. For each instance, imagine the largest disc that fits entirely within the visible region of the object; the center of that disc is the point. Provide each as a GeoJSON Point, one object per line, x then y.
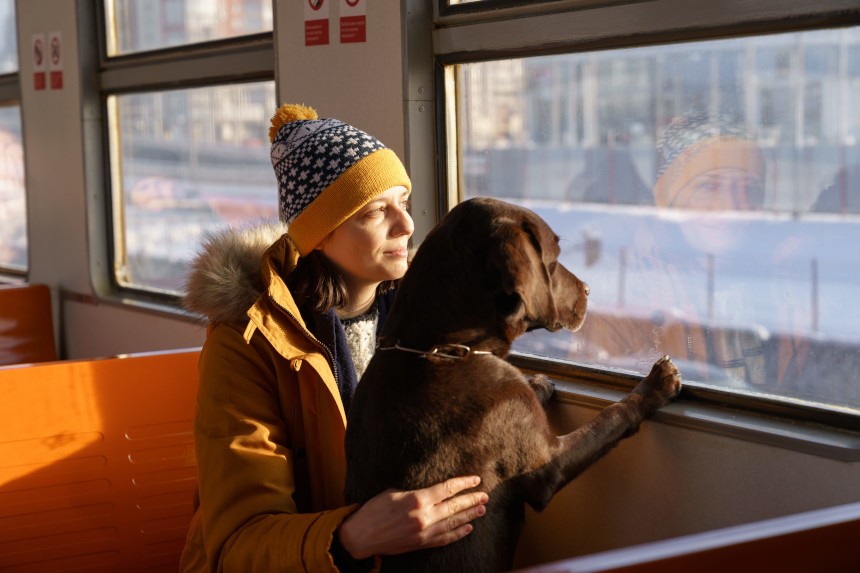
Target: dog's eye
{"type": "Point", "coordinates": [552, 266]}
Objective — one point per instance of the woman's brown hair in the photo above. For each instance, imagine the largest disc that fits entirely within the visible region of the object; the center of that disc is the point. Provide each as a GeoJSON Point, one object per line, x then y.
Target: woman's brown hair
{"type": "Point", "coordinates": [315, 281]}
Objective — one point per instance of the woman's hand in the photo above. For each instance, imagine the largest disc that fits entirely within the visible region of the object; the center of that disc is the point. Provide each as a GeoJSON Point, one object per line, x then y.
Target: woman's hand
{"type": "Point", "coordinates": [401, 521]}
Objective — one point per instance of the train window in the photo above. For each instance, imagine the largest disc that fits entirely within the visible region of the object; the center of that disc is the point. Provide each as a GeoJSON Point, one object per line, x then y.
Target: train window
{"type": "Point", "coordinates": [8, 38]}
{"type": "Point", "coordinates": [142, 25]}
{"type": "Point", "coordinates": [503, 2]}
{"type": "Point", "coordinates": [708, 191]}
{"type": "Point", "coordinates": [458, 2]}
{"type": "Point", "coordinates": [512, 6]}
{"type": "Point", "coordinates": [13, 200]}
{"type": "Point", "coordinates": [186, 162]}
{"type": "Point", "coordinates": [187, 129]}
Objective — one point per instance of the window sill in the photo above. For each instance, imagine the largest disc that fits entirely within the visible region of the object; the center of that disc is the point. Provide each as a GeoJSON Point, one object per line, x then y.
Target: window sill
{"type": "Point", "coordinates": [824, 433]}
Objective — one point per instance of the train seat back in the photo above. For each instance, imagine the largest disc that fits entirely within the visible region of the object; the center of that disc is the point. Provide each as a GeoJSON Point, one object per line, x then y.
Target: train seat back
{"type": "Point", "coordinates": [26, 324]}
{"type": "Point", "coordinates": [97, 467]}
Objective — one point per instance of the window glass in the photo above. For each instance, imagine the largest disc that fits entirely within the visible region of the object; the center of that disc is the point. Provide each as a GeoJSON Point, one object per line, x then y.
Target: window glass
{"type": "Point", "coordinates": [708, 192]}
{"type": "Point", "coordinates": [189, 161]}
{"type": "Point", "coordinates": [141, 25]}
{"type": "Point", "coordinates": [8, 38]}
{"type": "Point", "coordinates": [13, 200]}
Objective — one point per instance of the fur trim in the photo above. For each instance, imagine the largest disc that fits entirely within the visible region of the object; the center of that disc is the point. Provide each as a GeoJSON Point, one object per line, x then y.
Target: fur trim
{"type": "Point", "coordinates": [224, 280]}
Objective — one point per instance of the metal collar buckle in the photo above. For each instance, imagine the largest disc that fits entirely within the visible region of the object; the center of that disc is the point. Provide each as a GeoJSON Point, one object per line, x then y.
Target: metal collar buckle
{"type": "Point", "coordinates": [441, 351]}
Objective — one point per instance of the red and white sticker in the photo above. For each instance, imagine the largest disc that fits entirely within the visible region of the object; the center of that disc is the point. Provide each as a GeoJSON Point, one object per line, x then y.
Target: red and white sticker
{"type": "Point", "coordinates": [353, 21]}
{"type": "Point", "coordinates": [39, 59]}
{"type": "Point", "coordinates": [316, 22]}
{"type": "Point", "coordinates": [55, 59]}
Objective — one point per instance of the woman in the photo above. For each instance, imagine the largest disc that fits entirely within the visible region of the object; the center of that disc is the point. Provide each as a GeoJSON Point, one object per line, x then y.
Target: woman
{"type": "Point", "coordinates": [708, 167]}
{"type": "Point", "coordinates": [287, 341]}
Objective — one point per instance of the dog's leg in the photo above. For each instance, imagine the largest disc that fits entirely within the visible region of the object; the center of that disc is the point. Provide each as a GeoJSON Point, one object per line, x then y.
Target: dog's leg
{"type": "Point", "coordinates": [581, 448]}
{"type": "Point", "coordinates": [542, 386]}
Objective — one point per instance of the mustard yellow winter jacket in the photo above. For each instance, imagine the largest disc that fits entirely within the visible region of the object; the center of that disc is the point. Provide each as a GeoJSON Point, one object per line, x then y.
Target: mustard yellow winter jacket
{"type": "Point", "coordinates": [270, 422]}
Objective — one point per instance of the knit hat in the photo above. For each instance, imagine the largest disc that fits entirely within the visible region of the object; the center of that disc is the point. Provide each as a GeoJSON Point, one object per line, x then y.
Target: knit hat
{"type": "Point", "coordinates": [695, 144]}
{"type": "Point", "coordinates": [326, 171]}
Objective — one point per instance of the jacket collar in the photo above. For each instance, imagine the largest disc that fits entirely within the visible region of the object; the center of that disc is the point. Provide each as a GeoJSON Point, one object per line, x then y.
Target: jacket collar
{"type": "Point", "coordinates": [225, 277]}
{"type": "Point", "coordinates": [276, 304]}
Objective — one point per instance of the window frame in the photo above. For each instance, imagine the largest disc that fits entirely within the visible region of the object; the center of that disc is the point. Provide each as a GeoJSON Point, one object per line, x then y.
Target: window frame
{"type": "Point", "coordinates": [499, 9]}
{"type": "Point", "coordinates": [497, 30]}
{"type": "Point", "coordinates": [10, 89]}
{"type": "Point", "coordinates": [10, 95]}
{"type": "Point", "coordinates": [241, 59]}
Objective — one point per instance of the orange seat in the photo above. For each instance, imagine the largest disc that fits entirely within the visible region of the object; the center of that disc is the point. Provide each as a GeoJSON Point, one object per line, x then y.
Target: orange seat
{"type": "Point", "coordinates": [97, 467]}
{"type": "Point", "coordinates": [818, 540]}
{"type": "Point", "coordinates": [26, 324]}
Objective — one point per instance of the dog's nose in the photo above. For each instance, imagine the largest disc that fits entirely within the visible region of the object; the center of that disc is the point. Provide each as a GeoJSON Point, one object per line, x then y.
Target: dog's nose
{"type": "Point", "coordinates": [586, 288]}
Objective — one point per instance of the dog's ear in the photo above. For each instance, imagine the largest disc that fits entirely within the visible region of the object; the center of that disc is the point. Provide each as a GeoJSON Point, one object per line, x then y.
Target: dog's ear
{"type": "Point", "coordinates": [517, 257]}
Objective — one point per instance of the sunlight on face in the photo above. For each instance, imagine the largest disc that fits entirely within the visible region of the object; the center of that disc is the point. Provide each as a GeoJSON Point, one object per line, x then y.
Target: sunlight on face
{"type": "Point", "coordinates": [722, 189]}
{"type": "Point", "coordinates": [371, 246]}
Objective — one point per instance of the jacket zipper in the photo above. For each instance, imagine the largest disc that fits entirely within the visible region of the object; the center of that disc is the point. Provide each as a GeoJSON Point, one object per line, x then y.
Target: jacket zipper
{"type": "Point", "coordinates": [310, 337]}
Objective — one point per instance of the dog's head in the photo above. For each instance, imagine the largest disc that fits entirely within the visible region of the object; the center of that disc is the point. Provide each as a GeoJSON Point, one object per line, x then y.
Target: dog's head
{"type": "Point", "coordinates": [524, 251]}
{"type": "Point", "coordinates": [488, 256]}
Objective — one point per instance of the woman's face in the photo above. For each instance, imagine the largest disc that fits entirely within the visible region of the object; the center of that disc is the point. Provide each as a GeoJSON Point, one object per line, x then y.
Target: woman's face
{"type": "Point", "coordinates": [724, 190]}
{"type": "Point", "coordinates": [371, 246]}
{"type": "Point", "coordinates": [720, 189]}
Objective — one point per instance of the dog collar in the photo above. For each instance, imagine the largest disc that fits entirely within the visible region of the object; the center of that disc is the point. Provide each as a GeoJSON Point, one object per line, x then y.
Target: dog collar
{"type": "Point", "coordinates": [440, 351]}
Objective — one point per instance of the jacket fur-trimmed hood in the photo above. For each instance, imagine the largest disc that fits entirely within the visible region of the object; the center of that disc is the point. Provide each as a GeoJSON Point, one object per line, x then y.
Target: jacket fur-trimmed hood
{"type": "Point", "coordinates": [224, 280]}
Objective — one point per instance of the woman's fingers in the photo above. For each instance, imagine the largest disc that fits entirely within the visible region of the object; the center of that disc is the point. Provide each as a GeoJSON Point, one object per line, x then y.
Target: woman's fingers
{"type": "Point", "coordinates": [462, 503]}
{"type": "Point", "coordinates": [399, 521]}
{"type": "Point", "coordinates": [449, 488]}
{"type": "Point", "coordinates": [446, 515]}
{"type": "Point", "coordinates": [457, 524]}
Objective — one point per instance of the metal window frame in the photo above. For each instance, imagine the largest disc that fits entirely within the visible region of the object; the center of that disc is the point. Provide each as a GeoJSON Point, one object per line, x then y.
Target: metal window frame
{"type": "Point", "coordinates": [10, 89]}
{"type": "Point", "coordinates": [10, 95]}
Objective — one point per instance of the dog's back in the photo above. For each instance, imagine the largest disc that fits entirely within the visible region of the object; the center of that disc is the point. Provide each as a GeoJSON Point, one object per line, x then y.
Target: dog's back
{"type": "Point", "coordinates": [416, 423]}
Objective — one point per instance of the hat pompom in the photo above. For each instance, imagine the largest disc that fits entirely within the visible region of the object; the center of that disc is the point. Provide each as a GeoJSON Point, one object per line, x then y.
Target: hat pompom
{"type": "Point", "coordinates": [288, 113]}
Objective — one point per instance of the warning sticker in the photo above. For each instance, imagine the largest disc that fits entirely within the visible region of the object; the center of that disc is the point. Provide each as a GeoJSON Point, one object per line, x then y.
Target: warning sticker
{"type": "Point", "coordinates": [316, 22]}
{"type": "Point", "coordinates": [353, 21]}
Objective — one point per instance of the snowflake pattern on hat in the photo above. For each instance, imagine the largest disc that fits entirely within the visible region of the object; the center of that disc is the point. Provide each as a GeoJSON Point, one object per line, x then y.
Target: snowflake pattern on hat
{"type": "Point", "coordinates": [308, 155]}
{"type": "Point", "coordinates": [686, 130]}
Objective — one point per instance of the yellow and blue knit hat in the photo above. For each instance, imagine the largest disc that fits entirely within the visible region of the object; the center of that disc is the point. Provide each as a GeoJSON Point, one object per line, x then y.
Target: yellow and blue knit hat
{"type": "Point", "coordinates": [326, 171]}
{"type": "Point", "coordinates": [697, 143]}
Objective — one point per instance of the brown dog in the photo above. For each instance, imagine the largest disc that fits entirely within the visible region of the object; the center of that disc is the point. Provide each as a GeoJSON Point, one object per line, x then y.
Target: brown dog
{"type": "Point", "coordinates": [438, 399]}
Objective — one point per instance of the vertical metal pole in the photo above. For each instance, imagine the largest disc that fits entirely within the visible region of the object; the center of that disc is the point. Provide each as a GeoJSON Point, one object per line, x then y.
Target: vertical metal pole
{"type": "Point", "coordinates": [814, 295]}
{"type": "Point", "coordinates": [710, 286]}
{"type": "Point", "coordinates": [622, 275]}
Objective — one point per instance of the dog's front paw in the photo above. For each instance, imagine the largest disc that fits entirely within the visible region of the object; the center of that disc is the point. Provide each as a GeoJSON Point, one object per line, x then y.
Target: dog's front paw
{"type": "Point", "coordinates": [542, 387]}
{"type": "Point", "coordinates": [662, 384]}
